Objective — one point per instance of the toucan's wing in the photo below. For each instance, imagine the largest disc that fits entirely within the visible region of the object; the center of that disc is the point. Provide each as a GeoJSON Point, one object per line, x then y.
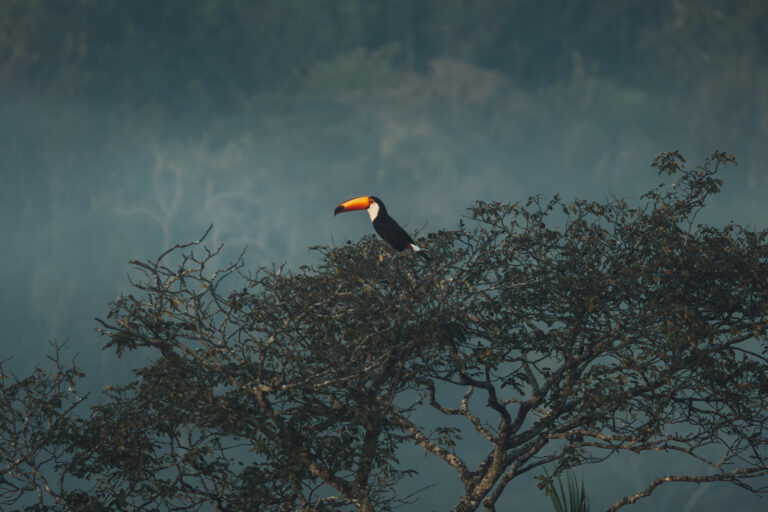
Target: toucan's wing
{"type": "Point", "coordinates": [391, 232]}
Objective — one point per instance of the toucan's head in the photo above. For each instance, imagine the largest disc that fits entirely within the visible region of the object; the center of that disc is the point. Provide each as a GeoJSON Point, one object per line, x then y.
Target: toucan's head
{"type": "Point", "coordinates": [370, 203]}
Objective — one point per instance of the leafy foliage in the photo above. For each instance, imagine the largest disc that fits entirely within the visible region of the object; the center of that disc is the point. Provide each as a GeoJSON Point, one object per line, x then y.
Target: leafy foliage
{"type": "Point", "coordinates": [573, 500]}
{"type": "Point", "coordinates": [35, 432]}
{"type": "Point", "coordinates": [573, 330]}
{"type": "Point", "coordinates": [211, 48]}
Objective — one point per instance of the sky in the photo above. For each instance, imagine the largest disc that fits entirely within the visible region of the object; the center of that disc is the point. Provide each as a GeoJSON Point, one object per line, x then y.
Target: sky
{"type": "Point", "coordinates": [124, 132]}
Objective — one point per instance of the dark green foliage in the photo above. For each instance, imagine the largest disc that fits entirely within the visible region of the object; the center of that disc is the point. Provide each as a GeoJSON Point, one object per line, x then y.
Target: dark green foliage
{"type": "Point", "coordinates": [221, 51]}
{"type": "Point", "coordinates": [573, 330]}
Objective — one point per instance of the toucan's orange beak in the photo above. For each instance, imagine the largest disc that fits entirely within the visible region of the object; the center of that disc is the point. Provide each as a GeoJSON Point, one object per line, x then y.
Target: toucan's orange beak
{"type": "Point", "coordinates": [358, 203]}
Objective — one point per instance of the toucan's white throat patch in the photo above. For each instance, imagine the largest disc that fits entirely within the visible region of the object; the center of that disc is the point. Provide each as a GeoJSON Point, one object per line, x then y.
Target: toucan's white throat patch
{"type": "Point", "coordinates": [373, 210]}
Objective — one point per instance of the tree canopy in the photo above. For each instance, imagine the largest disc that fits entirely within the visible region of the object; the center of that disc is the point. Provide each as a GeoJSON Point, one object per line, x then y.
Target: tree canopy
{"type": "Point", "coordinates": [556, 333]}
{"type": "Point", "coordinates": [213, 50]}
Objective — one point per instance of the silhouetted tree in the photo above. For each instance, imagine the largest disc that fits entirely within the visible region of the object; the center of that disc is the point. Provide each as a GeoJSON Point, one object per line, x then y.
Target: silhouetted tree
{"type": "Point", "coordinates": [559, 333]}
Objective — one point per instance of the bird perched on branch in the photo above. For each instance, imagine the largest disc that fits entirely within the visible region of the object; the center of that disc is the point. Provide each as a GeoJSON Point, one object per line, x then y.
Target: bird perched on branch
{"type": "Point", "coordinates": [384, 225]}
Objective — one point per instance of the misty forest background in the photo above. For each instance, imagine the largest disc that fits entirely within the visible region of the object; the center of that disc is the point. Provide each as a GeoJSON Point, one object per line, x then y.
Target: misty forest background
{"type": "Point", "coordinates": [126, 127]}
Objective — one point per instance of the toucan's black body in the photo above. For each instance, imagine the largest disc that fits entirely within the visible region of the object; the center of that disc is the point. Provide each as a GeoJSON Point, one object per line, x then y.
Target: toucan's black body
{"type": "Point", "coordinates": [384, 225]}
{"type": "Point", "coordinates": [390, 230]}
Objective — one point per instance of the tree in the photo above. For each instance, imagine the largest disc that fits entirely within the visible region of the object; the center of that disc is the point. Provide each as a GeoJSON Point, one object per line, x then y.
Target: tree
{"type": "Point", "coordinates": [559, 333]}
{"type": "Point", "coordinates": [34, 432]}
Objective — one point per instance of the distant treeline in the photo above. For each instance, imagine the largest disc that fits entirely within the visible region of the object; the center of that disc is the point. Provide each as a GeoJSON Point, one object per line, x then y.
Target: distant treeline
{"type": "Point", "coordinates": [150, 52]}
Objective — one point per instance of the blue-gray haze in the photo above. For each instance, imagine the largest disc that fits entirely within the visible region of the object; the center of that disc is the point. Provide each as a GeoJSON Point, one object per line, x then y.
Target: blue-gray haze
{"type": "Point", "coordinates": [116, 143]}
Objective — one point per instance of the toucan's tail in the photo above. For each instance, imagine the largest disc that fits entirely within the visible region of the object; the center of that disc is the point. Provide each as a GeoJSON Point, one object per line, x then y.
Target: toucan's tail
{"type": "Point", "coordinates": [421, 252]}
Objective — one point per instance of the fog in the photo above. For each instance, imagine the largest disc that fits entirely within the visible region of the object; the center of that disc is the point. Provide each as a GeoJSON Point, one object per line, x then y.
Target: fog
{"type": "Point", "coordinates": [97, 171]}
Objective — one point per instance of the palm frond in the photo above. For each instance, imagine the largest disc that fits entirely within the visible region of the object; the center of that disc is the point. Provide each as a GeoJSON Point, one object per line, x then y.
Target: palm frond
{"type": "Point", "coordinates": [569, 498]}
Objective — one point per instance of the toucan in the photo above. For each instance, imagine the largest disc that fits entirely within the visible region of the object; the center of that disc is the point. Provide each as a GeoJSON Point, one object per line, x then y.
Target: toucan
{"type": "Point", "coordinates": [384, 225]}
